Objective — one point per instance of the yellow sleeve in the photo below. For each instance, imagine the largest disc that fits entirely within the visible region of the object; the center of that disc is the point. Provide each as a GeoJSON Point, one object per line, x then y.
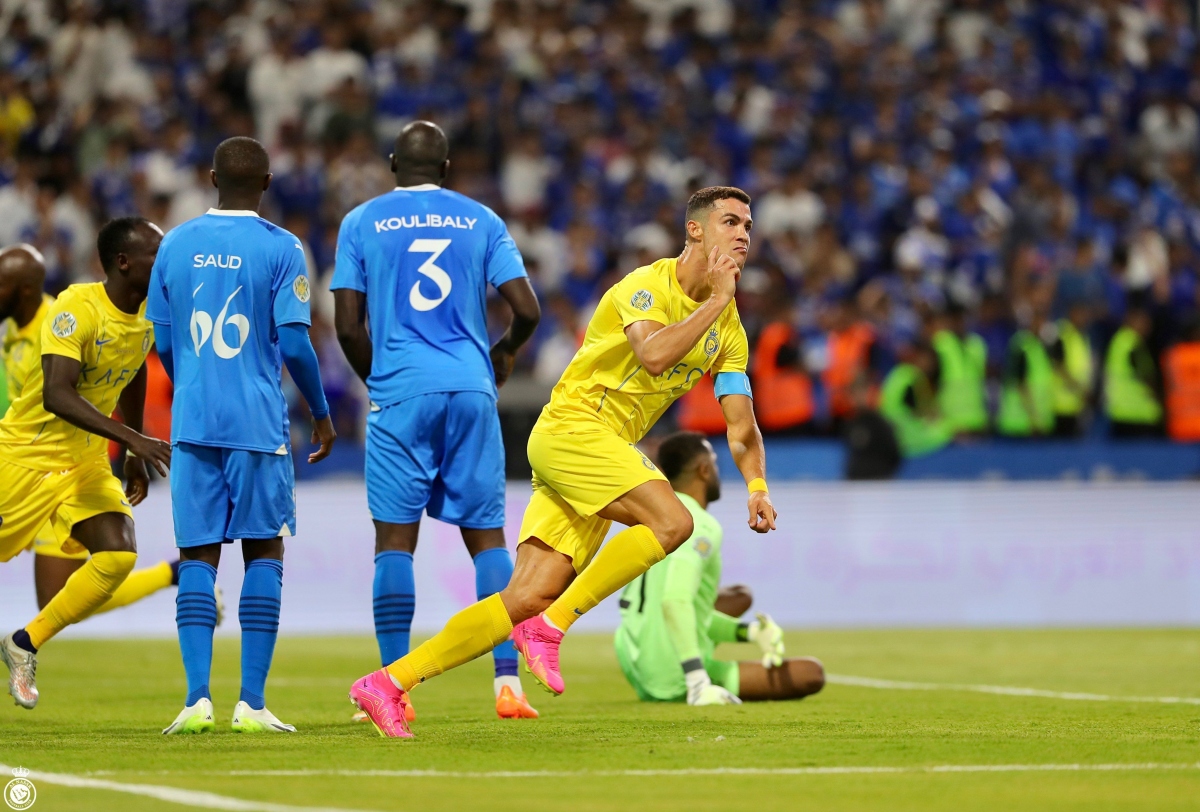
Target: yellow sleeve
{"type": "Point", "coordinates": [68, 327]}
{"type": "Point", "coordinates": [734, 355]}
{"type": "Point", "coordinates": [641, 297]}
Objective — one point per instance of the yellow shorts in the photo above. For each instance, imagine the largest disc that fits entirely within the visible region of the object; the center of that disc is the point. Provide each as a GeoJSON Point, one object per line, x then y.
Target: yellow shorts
{"type": "Point", "coordinates": [574, 477]}
{"type": "Point", "coordinates": [30, 500]}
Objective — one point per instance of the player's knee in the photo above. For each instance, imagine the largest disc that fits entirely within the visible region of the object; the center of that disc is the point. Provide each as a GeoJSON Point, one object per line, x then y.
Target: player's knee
{"type": "Point", "coordinates": [811, 678]}
{"type": "Point", "coordinates": [735, 600]}
{"type": "Point", "coordinates": [523, 602]}
{"type": "Point", "coordinates": [673, 528]}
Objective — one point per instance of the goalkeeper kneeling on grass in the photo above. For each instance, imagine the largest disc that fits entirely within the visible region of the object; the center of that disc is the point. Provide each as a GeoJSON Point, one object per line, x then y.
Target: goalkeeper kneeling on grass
{"type": "Point", "coordinates": [673, 616]}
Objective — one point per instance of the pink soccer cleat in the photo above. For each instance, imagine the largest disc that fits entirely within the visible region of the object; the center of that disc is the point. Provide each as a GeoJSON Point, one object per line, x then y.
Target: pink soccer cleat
{"type": "Point", "coordinates": [383, 703]}
{"type": "Point", "coordinates": [538, 643]}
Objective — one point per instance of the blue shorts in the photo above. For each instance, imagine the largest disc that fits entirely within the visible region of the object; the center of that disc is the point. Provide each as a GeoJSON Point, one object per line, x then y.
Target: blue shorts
{"type": "Point", "coordinates": [222, 494]}
{"type": "Point", "coordinates": [439, 453]}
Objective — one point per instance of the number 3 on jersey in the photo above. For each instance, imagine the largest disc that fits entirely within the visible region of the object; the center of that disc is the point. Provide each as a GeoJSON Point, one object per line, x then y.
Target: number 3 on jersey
{"type": "Point", "coordinates": [439, 276]}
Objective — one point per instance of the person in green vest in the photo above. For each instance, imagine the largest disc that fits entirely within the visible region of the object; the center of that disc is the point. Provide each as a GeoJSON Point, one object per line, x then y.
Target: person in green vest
{"type": "Point", "coordinates": [1074, 369]}
{"type": "Point", "coordinates": [1027, 396]}
{"type": "Point", "coordinates": [1131, 379]}
{"type": "Point", "coordinates": [909, 402]}
{"type": "Point", "coordinates": [962, 359]}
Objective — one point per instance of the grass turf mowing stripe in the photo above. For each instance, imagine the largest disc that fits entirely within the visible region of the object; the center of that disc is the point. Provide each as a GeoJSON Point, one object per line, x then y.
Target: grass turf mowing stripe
{"type": "Point", "coordinates": [716, 771]}
{"type": "Point", "coordinates": [1003, 690]}
{"type": "Point", "coordinates": [174, 795]}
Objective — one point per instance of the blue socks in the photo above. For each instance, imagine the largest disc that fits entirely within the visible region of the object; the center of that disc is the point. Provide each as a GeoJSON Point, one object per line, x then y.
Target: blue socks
{"type": "Point", "coordinates": [196, 618]}
{"type": "Point", "coordinates": [258, 611]}
{"type": "Point", "coordinates": [493, 568]}
{"type": "Point", "coordinates": [395, 595]}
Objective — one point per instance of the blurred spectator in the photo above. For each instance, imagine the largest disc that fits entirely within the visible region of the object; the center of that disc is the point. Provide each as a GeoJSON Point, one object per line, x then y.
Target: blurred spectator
{"type": "Point", "coordinates": [1131, 379]}
{"type": "Point", "coordinates": [1074, 369]}
{"type": "Point", "coordinates": [909, 401]}
{"type": "Point", "coordinates": [783, 391]}
{"type": "Point", "coordinates": [1027, 396]}
{"type": "Point", "coordinates": [1181, 384]}
{"type": "Point", "coordinates": [962, 373]}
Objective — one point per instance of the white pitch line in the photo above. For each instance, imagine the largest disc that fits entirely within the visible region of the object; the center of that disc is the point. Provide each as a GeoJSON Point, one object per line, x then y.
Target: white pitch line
{"type": "Point", "coordinates": [174, 795]}
{"type": "Point", "coordinates": [1003, 690]}
{"type": "Point", "coordinates": [695, 771]}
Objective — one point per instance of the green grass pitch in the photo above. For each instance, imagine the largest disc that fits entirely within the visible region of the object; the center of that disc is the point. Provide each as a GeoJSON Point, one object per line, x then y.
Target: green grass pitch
{"type": "Point", "coordinates": [104, 703]}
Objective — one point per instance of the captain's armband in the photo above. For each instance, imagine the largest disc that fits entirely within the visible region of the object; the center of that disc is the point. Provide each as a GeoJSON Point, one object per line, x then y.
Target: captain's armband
{"type": "Point", "coordinates": [732, 383]}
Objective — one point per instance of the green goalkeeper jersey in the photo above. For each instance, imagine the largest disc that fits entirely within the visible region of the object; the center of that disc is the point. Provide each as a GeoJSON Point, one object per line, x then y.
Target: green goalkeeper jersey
{"type": "Point", "coordinates": [668, 616]}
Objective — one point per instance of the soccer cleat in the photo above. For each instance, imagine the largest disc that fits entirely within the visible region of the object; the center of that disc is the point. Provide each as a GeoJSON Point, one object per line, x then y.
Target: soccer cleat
{"type": "Point", "coordinates": [384, 704]}
{"type": "Point", "coordinates": [22, 673]}
{"type": "Point", "coordinates": [511, 706]}
{"type": "Point", "coordinates": [196, 718]}
{"type": "Point", "coordinates": [538, 643]}
{"type": "Point", "coordinates": [410, 713]}
{"type": "Point", "coordinates": [248, 720]}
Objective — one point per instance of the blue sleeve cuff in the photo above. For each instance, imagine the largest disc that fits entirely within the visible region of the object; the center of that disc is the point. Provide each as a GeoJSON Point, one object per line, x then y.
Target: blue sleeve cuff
{"type": "Point", "coordinates": [732, 383]}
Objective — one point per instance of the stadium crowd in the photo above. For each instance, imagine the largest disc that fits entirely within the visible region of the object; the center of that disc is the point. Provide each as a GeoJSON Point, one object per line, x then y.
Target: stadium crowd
{"type": "Point", "coordinates": [977, 215]}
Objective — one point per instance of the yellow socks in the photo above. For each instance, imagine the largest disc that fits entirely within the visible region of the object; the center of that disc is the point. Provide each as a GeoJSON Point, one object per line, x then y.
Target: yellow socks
{"type": "Point", "coordinates": [140, 584]}
{"type": "Point", "coordinates": [630, 553]}
{"type": "Point", "coordinates": [474, 631]}
{"type": "Point", "coordinates": [84, 593]}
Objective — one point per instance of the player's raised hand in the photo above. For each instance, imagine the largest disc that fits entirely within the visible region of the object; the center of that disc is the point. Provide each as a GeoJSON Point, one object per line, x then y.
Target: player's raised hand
{"type": "Point", "coordinates": [723, 273]}
{"type": "Point", "coordinates": [324, 434]}
{"type": "Point", "coordinates": [137, 481]}
{"type": "Point", "coordinates": [762, 512]}
{"type": "Point", "coordinates": [502, 362]}
{"type": "Point", "coordinates": [154, 451]}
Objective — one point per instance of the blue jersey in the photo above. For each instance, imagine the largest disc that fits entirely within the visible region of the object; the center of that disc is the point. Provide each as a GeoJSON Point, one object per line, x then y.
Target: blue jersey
{"type": "Point", "coordinates": [424, 257]}
{"type": "Point", "coordinates": [223, 283]}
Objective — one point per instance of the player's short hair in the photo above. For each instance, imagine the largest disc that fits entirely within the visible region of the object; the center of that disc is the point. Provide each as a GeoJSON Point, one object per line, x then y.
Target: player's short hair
{"type": "Point", "coordinates": [678, 451]}
{"type": "Point", "coordinates": [704, 199]}
{"type": "Point", "coordinates": [241, 163]}
{"type": "Point", "coordinates": [114, 238]}
{"type": "Point", "coordinates": [421, 145]}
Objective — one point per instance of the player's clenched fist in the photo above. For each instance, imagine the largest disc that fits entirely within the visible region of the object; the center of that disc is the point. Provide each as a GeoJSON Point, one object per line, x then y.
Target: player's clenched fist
{"type": "Point", "coordinates": [762, 512]}
{"type": "Point", "coordinates": [701, 691]}
{"type": "Point", "coordinates": [723, 273]}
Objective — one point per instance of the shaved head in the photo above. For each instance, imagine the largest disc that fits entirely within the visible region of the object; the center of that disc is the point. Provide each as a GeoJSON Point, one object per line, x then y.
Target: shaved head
{"type": "Point", "coordinates": [422, 151]}
{"type": "Point", "coordinates": [22, 277]}
{"type": "Point", "coordinates": [241, 166]}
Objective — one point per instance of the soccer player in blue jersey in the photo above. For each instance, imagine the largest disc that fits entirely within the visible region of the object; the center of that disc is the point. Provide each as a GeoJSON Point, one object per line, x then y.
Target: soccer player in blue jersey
{"type": "Point", "coordinates": [229, 291]}
{"type": "Point", "coordinates": [414, 264]}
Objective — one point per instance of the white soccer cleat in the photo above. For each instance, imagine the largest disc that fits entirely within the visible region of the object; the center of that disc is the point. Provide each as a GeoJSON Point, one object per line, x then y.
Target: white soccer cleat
{"type": "Point", "coordinates": [248, 720]}
{"type": "Point", "coordinates": [196, 718]}
{"type": "Point", "coordinates": [22, 673]}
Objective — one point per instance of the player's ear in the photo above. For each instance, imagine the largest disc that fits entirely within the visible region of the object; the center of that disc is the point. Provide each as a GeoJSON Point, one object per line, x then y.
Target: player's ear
{"type": "Point", "coordinates": [212, 173]}
{"type": "Point", "coordinates": [695, 231]}
{"type": "Point", "coordinates": [267, 181]}
{"type": "Point", "coordinates": [445, 170]}
{"type": "Point", "coordinates": [392, 164]}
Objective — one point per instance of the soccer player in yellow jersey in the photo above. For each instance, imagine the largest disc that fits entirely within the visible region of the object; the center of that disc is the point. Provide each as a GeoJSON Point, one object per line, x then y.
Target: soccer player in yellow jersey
{"type": "Point", "coordinates": [653, 335]}
{"type": "Point", "coordinates": [53, 441]}
{"type": "Point", "coordinates": [23, 309]}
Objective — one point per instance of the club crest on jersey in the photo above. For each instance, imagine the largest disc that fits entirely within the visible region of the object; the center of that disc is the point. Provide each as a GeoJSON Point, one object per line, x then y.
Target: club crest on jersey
{"type": "Point", "coordinates": [645, 460]}
{"type": "Point", "coordinates": [300, 288]}
{"type": "Point", "coordinates": [703, 547]}
{"type": "Point", "coordinates": [711, 343]}
{"type": "Point", "coordinates": [64, 324]}
{"type": "Point", "coordinates": [146, 339]}
{"type": "Point", "coordinates": [642, 300]}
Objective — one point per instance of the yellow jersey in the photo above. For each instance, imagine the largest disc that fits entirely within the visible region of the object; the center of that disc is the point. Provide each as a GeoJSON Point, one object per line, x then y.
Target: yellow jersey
{"type": "Point", "coordinates": [111, 346]}
{"type": "Point", "coordinates": [19, 350]}
{"type": "Point", "coordinates": [605, 387]}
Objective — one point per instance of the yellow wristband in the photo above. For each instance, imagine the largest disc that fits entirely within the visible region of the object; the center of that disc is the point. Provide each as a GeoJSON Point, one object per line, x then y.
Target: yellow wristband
{"type": "Point", "coordinates": [757, 484]}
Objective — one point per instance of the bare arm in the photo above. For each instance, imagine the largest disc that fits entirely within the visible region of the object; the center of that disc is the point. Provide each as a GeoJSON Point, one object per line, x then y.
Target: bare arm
{"type": "Point", "coordinates": [659, 347]}
{"type": "Point", "coordinates": [526, 315]}
{"type": "Point", "coordinates": [60, 398]}
{"type": "Point", "coordinates": [746, 445]}
{"type": "Point", "coordinates": [350, 321]}
{"type": "Point", "coordinates": [132, 404]}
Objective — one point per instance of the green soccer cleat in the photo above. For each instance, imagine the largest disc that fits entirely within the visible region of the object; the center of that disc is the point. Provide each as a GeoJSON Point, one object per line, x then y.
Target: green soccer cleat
{"type": "Point", "coordinates": [196, 718]}
{"type": "Point", "coordinates": [248, 720]}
